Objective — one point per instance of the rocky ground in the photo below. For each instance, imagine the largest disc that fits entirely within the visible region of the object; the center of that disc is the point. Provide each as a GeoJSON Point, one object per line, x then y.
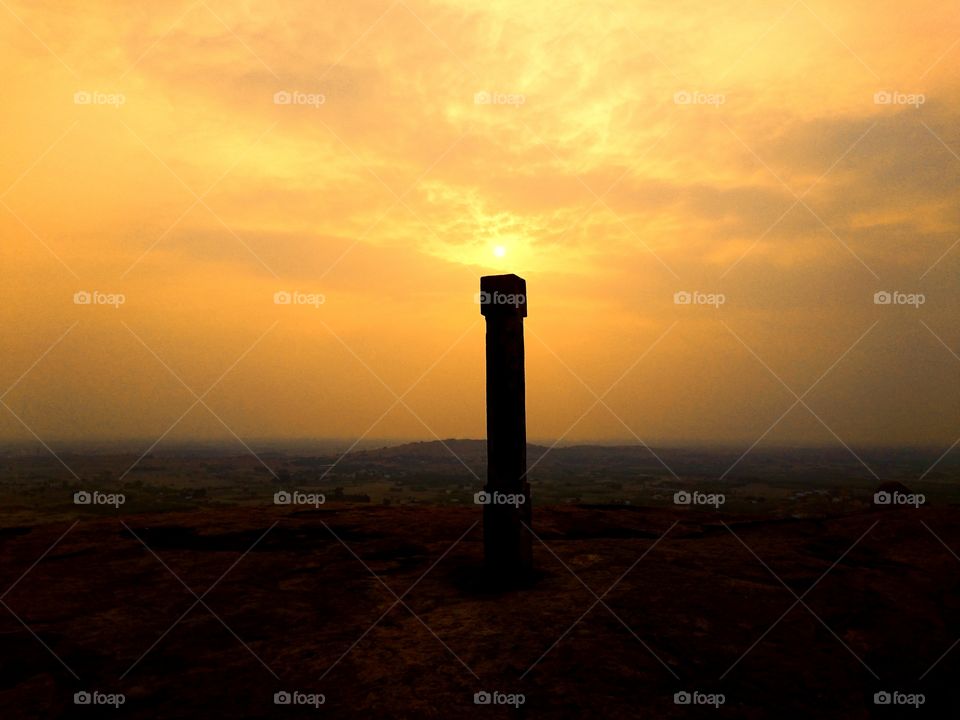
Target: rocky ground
{"type": "Point", "coordinates": [303, 600]}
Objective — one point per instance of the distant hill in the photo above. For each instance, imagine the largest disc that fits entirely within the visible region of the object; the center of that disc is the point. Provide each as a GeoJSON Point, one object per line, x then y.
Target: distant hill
{"type": "Point", "coordinates": [435, 450]}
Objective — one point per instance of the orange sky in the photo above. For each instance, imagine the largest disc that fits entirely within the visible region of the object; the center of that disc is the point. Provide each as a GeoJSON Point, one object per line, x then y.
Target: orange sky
{"type": "Point", "coordinates": [143, 154]}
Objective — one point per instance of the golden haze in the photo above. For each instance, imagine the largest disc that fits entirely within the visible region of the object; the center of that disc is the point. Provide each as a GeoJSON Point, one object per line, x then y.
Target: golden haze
{"type": "Point", "coordinates": [199, 197]}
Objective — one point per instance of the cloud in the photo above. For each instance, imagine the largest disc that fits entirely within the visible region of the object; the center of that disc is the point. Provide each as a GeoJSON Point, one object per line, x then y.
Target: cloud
{"type": "Point", "coordinates": [389, 185]}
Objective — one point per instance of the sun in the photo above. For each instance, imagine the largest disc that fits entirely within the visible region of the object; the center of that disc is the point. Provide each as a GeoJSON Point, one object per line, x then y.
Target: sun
{"type": "Point", "coordinates": [499, 251]}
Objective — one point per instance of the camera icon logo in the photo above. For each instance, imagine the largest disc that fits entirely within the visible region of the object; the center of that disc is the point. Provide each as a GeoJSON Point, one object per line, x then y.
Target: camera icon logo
{"type": "Point", "coordinates": [482, 698]}
{"type": "Point", "coordinates": [882, 698]}
{"type": "Point", "coordinates": [282, 97]}
{"type": "Point", "coordinates": [82, 698]}
{"type": "Point", "coordinates": [882, 298]}
{"type": "Point", "coordinates": [882, 498]}
{"type": "Point", "coordinates": [682, 297]}
{"type": "Point", "coordinates": [682, 698]}
{"type": "Point", "coordinates": [682, 497]}
{"type": "Point", "coordinates": [282, 498]}
{"type": "Point", "coordinates": [82, 297]}
{"type": "Point", "coordinates": [282, 297]}
{"type": "Point", "coordinates": [683, 97]}
{"type": "Point", "coordinates": [82, 97]}
{"type": "Point", "coordinates": [882, 97]}
{"type": "Point", "coordinates": [481, 98]}
{"type": "Point", "coordinates": [481, 498]}
{"type": "Point", "coordinates": [282, 697]}
{"type": "Point", "coordinates": [82, 497]}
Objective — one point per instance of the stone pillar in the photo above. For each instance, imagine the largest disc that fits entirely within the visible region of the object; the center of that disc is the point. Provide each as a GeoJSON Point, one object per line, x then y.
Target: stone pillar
{"type": "Point", "coordinates": [506, 542]}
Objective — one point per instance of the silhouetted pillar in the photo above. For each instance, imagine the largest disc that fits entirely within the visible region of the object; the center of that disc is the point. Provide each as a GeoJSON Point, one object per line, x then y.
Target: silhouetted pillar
{"type": "Point", "coordinates": [506, 543]}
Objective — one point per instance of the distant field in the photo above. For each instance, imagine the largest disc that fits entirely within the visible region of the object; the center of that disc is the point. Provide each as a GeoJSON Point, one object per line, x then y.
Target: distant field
{"type": "Point", "coordinates": [785, 482]}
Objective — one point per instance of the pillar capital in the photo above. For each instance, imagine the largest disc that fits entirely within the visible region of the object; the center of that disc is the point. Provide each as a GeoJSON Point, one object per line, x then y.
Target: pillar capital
{"type": "Point", "coordinates": [503, 296]}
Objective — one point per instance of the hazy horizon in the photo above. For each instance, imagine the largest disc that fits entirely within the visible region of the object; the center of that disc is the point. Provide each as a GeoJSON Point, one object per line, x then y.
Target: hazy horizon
{"type": "Point", "coordinates": [341, 444]}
